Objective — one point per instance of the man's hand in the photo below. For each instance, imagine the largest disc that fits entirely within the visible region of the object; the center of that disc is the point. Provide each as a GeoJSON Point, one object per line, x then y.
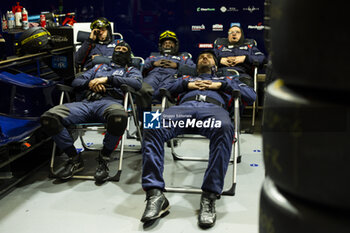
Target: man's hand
{"type": "Point", "coordinates": [99, 88]}
{"type": "Point", "coordinates": [95, 55]}
{"type": "Point", "coordinates": [165, 63]}
{"type": "Point", "coordinates": [159, 63]}
{"type": "Point", "coordinates": [170, 64]}
{"type": "Point", "coordinates": [226, 61]}
{"type": "Point", "coordinates": [204, 85]}
{"type": "Point", "coordinates": [232, 61]}
{"type": "Point", "coordinates": [93, 34]}
{"type": "Point", "coordinates": [238, 59]}
{"type": "Point", "coordinates": [97, 84]}
{"type": "Point", "coordinates": [199, 84]}
{"type": "Point", "coordinates": [215, 86]}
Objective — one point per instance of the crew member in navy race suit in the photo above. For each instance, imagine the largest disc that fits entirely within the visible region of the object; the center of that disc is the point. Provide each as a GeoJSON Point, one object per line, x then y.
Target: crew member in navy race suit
{"type": "Point", "coordinates": [237, 54]}
{"type": "Point", "coordinates": [99, 43]}
{"type": "Point", "coordinates": [100, 100]}
{"type": "Point", "coordinates": [203, 110]}
{"type": "Point", "coordinates": [160, 68]}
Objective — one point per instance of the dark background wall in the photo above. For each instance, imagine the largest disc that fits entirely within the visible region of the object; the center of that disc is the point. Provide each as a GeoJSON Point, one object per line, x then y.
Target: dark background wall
{"type": "Point", "coordinates": [141, 21]}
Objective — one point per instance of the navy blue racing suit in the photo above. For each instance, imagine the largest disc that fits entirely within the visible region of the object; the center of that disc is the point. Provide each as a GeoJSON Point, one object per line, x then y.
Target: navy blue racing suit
{"type": "Point", "coordinates": [158, 77]}
{"type": "Point", "coordinates": [95, 110]}
{"type": "Point", "coordinates": [248, 49]}
{"type": "Point", "coordinates": [84, 54]}
{"type": "Point", "coordinates": [216, 125]}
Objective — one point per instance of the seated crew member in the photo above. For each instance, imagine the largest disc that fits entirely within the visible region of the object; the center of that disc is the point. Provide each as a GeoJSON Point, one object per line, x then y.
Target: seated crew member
{"type": "Point", "coordinates": [99, 43]}
{"type": "Point", "coordinates": [205, 98]}
{"type": "Point", "coordinates": [238, 55]}
{"type": "Point", "coordinates": [161, 67]}
{"type": "Point", "coordinates": [100, 100]}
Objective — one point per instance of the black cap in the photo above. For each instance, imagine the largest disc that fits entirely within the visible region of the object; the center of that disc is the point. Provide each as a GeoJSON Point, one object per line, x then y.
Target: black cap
{"type": "Point", "coordinates": [211, 52]}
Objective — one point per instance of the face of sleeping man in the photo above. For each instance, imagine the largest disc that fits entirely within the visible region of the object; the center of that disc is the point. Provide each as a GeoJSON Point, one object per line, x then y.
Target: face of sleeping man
{"type": "Point", "coordinates": [205, 63]}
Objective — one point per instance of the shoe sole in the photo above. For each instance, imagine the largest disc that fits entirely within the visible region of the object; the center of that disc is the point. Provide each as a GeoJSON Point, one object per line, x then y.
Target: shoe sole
{"type": "Point", "coordinates": [161, 213]}
{"type": "Point", "coordinates": [76, 171]}
{"type": "Point", "coordinates": [206, 226]}
{"type": "Point", "coordinates": [97, 180]}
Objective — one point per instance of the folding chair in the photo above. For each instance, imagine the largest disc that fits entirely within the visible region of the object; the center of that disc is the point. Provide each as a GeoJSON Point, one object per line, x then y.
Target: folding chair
{"type": "Point", "coordinates": [129, 107]}
{"type": "Point", "coordinates": [235, 152]}
{"type": "Point", "coordinates": [100, 127]}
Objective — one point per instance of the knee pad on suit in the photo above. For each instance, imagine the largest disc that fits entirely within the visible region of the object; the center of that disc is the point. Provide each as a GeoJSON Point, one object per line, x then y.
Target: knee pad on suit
{"type": "Point", "coordinates": [117, 122]}
{"type": "Point", "coordinates": [51, 123]}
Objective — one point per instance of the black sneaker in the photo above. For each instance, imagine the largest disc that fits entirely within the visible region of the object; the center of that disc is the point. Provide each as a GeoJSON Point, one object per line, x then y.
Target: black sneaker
{"type": "Point", "coordinates": [175, 143]}
{"type": "Point", "coordinates": [157, 205]}
{"type": "Point", "coordinates": [207, 213]}
{"type": "Point", "coordinates": [71, 167]}
{"type": "Point", "coordinates": [102, 171]}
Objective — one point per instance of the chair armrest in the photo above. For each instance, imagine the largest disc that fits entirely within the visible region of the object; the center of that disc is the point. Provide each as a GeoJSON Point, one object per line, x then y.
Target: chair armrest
{"type": "Point", "coordinates": [62, 87]}
{"type": "Point", "coordinates": [256, 63]}
{"type": "Point", "coordinates": [101, 60]}
{"type": "Point", "coordinates": [166, 93]}
{"type": "Point", "coordinates": [126, 88]}
{"type": "Point", "coordinates": [236, 94]}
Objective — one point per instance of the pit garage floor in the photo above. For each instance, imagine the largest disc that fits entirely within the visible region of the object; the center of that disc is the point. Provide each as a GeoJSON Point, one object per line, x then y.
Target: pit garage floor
{"type": "Point", "coordinates": [42, 204]}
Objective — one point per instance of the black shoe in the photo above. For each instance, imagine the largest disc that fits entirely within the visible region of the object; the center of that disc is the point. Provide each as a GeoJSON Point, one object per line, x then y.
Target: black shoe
{"type": "Point", "coordinates": [72, 166]}
{"type": "Point", "coordinates": [207, 214]}
{"type": "Point", "coordinates": [102, 171]}
{"type": "Point", "coordinates": [157, 205]}
{"type": "Point", "coordinates": [175, 143]}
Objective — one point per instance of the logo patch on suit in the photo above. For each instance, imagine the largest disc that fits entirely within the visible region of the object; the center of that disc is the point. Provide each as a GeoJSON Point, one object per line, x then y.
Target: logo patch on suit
{"type": "Point", "coordinates": [118, 72]}
{"type": "Point", "coordinates": [151, 120]}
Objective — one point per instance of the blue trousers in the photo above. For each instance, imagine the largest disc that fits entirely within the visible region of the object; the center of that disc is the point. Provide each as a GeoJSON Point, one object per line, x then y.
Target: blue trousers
{"type": "Point", "coordinates": [221, 139]}
{"type": "Point", "coordinates": [84, 112]}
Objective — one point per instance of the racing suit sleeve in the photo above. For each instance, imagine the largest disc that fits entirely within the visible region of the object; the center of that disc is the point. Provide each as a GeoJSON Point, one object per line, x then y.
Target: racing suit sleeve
{"type": "Point", "coordinates": [216, 51]}
{"type": "Point", "coordinates": [132, 77]}
{"type": "Point", "coordinates": [148, 65]}
{"type": "Point", "coordinates": [186, 68]}
{"type": "Point", "coordinates": [81, 82]}
{"type": "Point", "coordinates": [255, 57]}
{"type": "Point", "coordinates": [177, 86]}
{"type": "Point", "coordinates": [231, 83]}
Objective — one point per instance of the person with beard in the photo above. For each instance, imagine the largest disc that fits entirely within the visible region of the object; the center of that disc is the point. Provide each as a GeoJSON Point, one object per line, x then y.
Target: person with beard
{"type": "Point", "coordinates": [162, 67]}
{"type": "Point", "coordinates": [237, 55]}
{"type": "Point", "coordinates": [99, 99]}
{"type": "Point", "coordinates": [204, 97]}
{"type": "Point", "coordinates": [99, 43]}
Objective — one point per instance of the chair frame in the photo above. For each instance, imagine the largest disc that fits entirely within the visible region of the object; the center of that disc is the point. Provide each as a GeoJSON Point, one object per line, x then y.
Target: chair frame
{"type": "Point", "coordinates": [235, 152]}
{"type": "Point", "coordinates": [81, 128]}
